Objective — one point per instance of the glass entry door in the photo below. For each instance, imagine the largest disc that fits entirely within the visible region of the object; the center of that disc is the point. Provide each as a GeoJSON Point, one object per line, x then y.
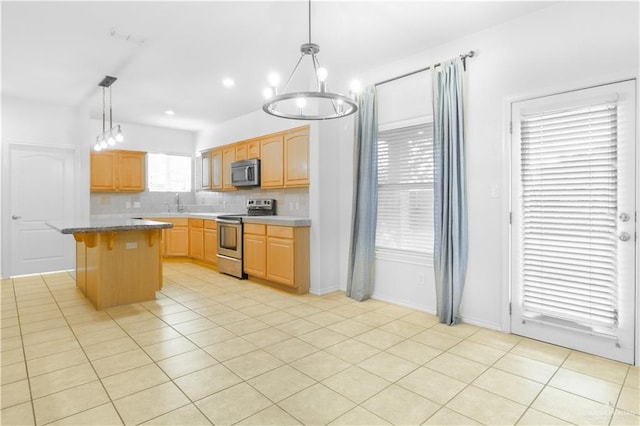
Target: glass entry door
{"type": "Point", "coordinates": [574, 221]}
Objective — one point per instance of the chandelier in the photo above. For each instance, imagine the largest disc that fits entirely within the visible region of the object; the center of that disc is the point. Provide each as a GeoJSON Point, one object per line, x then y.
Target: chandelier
{"type": "Point", "coordinates": [320, 104]}
{"type": "Point", "coordinates": [109, 137]}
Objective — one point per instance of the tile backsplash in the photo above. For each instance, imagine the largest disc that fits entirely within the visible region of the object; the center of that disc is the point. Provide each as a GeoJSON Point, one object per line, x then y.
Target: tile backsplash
{"type": "Point", "coordinates": [289, 202]}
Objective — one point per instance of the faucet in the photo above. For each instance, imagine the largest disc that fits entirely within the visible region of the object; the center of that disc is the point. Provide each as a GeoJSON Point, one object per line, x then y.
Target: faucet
{"type": "Point", "coordinates": [179, 207]}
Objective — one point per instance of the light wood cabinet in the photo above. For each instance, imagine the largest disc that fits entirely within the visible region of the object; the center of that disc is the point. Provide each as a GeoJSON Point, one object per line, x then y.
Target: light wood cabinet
{"type": "Point", "coordinates": [196, 239]}
{"type": "Point", "coordinates": [228, 157]}
{"type": "Point", "coordinates": [296, 158]}
{"type": "Point", "coordinates": [216, 170]}
{"type": "Point", "coordinates": [271, 164]}
{"type": "Point", "coordinates": [255, 246]}
{"type": "Point", "coordinates": [118, 171]}
{"type": "Point", "coordinates": [205, 170]}
{"type": "Point", "coordinates": [280, 260]}
{"type": "Point", "coordinates": [210, 241]}
{"type": "Point", "coordinates": [253, 149]}
{"type": "Point", "coordinates": [176, 239]}
{"type": "Point", "coordinates": [241, 151]}
{"type": "Point", "coordinates": [279, 254]}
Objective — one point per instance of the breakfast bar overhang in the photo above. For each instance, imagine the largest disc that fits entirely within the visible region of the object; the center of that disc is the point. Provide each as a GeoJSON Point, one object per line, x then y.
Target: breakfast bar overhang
{"type": "Point", "coordinates": [117, 261]}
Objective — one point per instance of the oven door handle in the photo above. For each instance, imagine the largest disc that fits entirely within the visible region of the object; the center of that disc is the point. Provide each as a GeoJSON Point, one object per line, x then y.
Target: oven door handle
{"type": "Point", "coordinates": [231, 222]}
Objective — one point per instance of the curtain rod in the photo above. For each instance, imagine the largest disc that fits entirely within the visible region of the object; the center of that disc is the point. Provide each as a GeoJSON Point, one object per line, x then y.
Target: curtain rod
{"type": "Point", "coordinates": [464, 57]}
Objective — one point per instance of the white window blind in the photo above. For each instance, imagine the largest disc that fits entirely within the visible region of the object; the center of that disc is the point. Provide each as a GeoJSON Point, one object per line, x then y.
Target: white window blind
{"type": "Point", "coordinates": [405, 189]}
{"type": "Point", "coordinates": [169, 173]}
{"type": "Point", "coordinates": [569, 183]}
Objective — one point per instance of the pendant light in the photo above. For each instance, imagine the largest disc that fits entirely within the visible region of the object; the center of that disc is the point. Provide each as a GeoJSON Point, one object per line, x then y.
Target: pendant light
{"type": "Point", "coordinates": [320, 104]}
{"type": "Point", "coordinates": [108, 138]}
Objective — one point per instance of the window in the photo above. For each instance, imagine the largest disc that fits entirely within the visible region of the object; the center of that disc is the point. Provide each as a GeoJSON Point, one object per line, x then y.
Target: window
{"type": "Point", "coordinates": [405, 189]}
{"type": "Point", "coordinates": [169, 173]}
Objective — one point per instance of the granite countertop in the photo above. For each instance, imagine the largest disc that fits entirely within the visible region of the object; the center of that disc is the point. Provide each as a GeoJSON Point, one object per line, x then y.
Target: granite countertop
{"type": "Point", "coordinates": [266, 220]}
{"type": "Point", "coordinates": [106, 225]}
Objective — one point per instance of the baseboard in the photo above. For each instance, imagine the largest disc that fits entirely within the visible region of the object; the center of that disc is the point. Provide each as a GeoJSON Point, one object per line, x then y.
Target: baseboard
{"type": "Point", "coordinates": [324, 290]}
{"type": "Point", "coordinates": [405, 303]}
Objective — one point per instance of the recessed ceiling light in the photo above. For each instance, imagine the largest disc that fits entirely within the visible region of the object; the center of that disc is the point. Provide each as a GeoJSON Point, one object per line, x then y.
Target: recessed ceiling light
{"type": "Point", "coordinates": [228, 82]}
{"type": "Point", "coordinates": [169, 112]}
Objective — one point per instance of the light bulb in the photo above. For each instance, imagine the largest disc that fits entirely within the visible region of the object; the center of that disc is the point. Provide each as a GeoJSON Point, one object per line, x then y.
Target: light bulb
{"type": "Point", "coordinates": [301, 102]}
{"type": "Point", "coordinates": [119, 135]}
{"type": "Point", "coordinates": [274, 79]}
{"type": "Point", "coordinates": [103, 144]}
{"type": "Point", "coordinates": [97, 147]}
{"type": "Point", "coordinates": [228, 82]}
{"type": "Point", "coordinates": [322, 74]}
{"type": "Point", "coordinates": [111, 140]}
{"type": "Point", "coordinates": [267, 92]}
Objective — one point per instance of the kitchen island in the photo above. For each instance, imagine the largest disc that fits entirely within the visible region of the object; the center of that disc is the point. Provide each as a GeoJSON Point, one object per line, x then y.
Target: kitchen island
{"type": "Point", "coordinates": [118, 261]}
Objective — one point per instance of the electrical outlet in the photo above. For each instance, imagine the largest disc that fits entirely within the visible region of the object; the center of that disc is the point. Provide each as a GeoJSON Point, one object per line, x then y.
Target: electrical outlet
{"type": "Point", "coordinates": [127, 205]}
{"type": "Point", "coordinates": [136, 204]}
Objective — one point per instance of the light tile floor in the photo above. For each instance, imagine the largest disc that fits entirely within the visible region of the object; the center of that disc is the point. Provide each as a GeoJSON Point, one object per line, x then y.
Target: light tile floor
{"type": "Point", "coordinates": [213, 349]}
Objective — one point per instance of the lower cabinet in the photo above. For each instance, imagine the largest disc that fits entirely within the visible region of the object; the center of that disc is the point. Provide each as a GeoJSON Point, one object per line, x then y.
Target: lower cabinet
{"type": "Point", "coordinates": [279, 254]}
{"type": "Point", "coordinates": [255, 255]}
{"type": "Point", "coordinates": [176, 239]}
{"type": "Point", "coordinates": [210, 241]}
{"type": "Point", "coordinates": [196, 239]}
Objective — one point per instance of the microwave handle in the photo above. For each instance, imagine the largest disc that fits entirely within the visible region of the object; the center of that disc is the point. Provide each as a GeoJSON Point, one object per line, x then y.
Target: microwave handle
{"type": "Point", "coordinates": [249, 173]}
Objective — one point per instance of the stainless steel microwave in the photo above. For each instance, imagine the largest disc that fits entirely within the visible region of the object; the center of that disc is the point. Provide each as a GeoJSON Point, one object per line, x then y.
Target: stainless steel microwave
{"type": "Point", "coordinates": [245, 173]}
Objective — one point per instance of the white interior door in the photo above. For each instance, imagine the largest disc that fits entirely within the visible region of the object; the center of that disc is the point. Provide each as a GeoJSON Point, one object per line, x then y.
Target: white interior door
{"type": "Point", "coordinates": [42, 189]}
{"type": "Point", "coordinates": [573, 219]}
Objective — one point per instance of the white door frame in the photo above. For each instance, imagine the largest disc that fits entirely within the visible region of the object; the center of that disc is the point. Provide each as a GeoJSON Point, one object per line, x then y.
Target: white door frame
{"type": "Point", "coordinates": [7, 147]}
{"type": "Point", "coordinates": [506, 199]}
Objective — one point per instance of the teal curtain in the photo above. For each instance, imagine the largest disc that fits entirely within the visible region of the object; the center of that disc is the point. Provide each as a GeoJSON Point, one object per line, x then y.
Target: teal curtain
{"type": "Point", "coordinates": [450, 198]}
{"type": "Point", "coordinates": [365, 199]}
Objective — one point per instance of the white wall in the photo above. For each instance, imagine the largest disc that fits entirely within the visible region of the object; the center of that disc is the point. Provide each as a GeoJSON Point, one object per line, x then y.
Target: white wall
{"type": "Point", "coordinates": [36, 123]}
{"type": "Point", "coordinates": [139, 137]}
{"type": "Point", "coordinates": [561, 47]}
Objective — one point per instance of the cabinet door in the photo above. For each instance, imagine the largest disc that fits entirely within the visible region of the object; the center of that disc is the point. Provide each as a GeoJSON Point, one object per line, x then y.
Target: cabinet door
{"type": "Point", "coordinates": [296, 154]}
{"type": "Point", "coordinates": [216, 170]}
{"type": "Point", "coordinates": [228, 157]}
{"type": "Point", "coordinates": [211, 246]}
{"type": "Point", "coordinates": [103, 171]}
{"type": "Point", "coordinates": [205, 171]}
{"type": "Point", "coordinates": [131, 173]}
{"type": "Point", "coordinates": [241, 152]}
{"type": "Point", "coordinates": [253, 149]}
{"type": "Point", "coordinates": [280, 260]}
{"type": "Point", "coordinates": [254, 260]}
{"type": "Point", "coordinates": [271, 151]}
{"type": "Point", "coordinates": [177, 241]}
{"type": "Point", "coordinates": [196, 243]}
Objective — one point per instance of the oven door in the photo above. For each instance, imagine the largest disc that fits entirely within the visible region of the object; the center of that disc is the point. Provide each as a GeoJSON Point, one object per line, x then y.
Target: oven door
{"type": "Point", "coordinates": [230, 238]}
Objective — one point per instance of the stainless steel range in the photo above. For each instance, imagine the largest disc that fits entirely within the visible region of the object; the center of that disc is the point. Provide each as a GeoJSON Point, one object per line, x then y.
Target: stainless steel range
{"type": "Point", "coordinates": [230, 236]}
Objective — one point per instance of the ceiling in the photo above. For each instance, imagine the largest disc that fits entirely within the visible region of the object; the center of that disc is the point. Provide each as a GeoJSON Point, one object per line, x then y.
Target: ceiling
{"type": "Point", "coordinates": [174, 55]}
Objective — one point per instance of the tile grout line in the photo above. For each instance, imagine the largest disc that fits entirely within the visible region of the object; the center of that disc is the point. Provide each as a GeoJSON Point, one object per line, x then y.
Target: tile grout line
{"type": "Point", "coordinates": [88, 360]}
{"type": "Point", "coordinates": [24, 352]}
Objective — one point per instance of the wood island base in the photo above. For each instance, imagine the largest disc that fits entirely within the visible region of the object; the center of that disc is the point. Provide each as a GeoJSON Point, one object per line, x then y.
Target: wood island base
{"type": "Point", "coordinates": [119, 267]}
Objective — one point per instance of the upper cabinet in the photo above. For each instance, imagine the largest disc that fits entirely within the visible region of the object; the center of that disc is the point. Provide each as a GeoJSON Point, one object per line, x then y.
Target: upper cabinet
{"type": "Point", "coordinates": [228, 157]}
{"type": "Point", "coordinates": [118, 171]}
{"type": "Point", "coordinates": [284, 160]}
{"type": "Point", "coordinates": [272, 161]}
{"type": "Point", "coordinates": [296, 157]}
{"type": "Point", "coordinates": [216, 169]}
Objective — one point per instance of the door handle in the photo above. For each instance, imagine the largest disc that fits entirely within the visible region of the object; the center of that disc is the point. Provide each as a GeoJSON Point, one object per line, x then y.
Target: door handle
{"type": "Point", "coordinates": [624, 236]}
{"type": "Point", "coordinates": [14, 217]}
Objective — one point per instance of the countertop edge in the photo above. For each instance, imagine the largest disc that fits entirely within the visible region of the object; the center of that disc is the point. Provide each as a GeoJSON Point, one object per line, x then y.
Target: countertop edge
{"type": "Point", "coordinates": [65, 228]}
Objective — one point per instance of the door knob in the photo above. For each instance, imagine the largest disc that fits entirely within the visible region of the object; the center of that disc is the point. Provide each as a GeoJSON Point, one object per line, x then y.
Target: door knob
{"type": "Point", "coordinates": [624, 217]}
{"type": "Point", "coordinates": [14, 217]}
{"type": "Point", "coordinates": [624, 236]}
